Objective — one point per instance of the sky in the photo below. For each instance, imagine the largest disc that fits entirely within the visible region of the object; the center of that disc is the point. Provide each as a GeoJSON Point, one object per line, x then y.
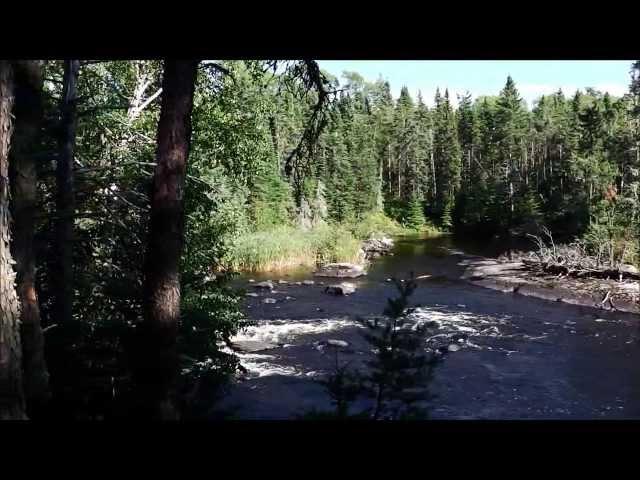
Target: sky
{"type": "Point", "coordinates": [485, 77]}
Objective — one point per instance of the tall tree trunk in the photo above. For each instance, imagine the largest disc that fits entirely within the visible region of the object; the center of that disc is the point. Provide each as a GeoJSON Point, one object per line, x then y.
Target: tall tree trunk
{"type": "Point", "coordinates": [12, 405]}
{"type": "Point", "coordinates": [433, 173]}
{"type": "Point", "coordinates": [158, 367]}
{"type": "Point", "coordinates": [28, 116]}
{"type": "Point", "coordinates": [65, 203]}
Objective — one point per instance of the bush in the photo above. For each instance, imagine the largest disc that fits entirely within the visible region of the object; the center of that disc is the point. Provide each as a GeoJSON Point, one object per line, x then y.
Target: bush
{"type": "Point", "coordinates": [375, 224]}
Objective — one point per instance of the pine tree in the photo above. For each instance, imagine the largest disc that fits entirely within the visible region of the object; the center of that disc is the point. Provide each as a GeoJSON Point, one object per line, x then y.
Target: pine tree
{"type": "Point", "coordinates": [511, 129]}
{"type": "Point", "coordinates": [447, 155]}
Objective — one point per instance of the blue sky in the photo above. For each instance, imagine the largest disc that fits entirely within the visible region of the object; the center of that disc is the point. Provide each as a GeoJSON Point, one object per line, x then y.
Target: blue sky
{"type": "Point", "coordinates": [533, 78]}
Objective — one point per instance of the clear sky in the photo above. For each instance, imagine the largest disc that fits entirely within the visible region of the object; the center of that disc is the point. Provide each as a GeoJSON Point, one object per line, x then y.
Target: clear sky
{"type": "Point", "coordinates": [485, 77]}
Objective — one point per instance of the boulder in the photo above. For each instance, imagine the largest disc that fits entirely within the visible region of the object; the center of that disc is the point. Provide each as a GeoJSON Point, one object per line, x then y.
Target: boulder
{"type": "Point", "coordinates": [265, 285]}
{"type": "Point", "coordinates": [282, 282]}
{"type": "Point", "coordinates": [338, 343]}
{"type": "Point", "coordinates": [629, 269]}
{"type": "Point", "coordinates": [308, 282]}
{"type": "Point", "coordinates": [375, 247]}
{"type": "Point", "coordinates": [341, 270]}
{"type": "Point", "coordinates": [269, 300]}
{"type": "Point", "coordinates": [340, 289]}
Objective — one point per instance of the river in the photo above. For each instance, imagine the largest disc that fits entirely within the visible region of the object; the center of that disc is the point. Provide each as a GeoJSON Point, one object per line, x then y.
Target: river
{"type": "Point", "coordinates": [522, 358]}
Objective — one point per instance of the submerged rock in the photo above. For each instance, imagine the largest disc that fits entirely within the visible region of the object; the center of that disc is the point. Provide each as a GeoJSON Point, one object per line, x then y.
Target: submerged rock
{"type": "Point", "coordinates": [251, 294]}
{"type": "Point", "coordinates": [338, 343]}
{"type": "Point", "coordinates": [340, 289]}
{"type": "Point", "coordinates": [341, 270]}
{"type": "Point", "coordinates": [308, 282]}
{"type": "Point", "coordinates": [269, 300]}
{"type": "Point", "coordinates": [266, 285]}
{"type": "Point", "coordinates": [283, 282]}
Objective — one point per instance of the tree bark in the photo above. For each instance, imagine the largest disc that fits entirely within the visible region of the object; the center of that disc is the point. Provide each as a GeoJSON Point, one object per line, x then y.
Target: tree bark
{"type": "Point", "coordinates": [28, 112]}
{"type": "Point", "coordinates": [157, 367]}
{"type": "Point", "coordinates": [65, 203]}
{"type": "Point", "coordinates": [12, 405]}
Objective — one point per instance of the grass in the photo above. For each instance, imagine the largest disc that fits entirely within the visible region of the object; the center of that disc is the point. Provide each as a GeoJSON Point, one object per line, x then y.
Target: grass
{"type": "Point", "coordinates": [288, 247]}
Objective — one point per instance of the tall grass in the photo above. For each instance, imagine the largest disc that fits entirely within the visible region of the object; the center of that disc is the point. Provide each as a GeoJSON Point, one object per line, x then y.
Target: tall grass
{"type": "Point", "coordinates": [286, 247]}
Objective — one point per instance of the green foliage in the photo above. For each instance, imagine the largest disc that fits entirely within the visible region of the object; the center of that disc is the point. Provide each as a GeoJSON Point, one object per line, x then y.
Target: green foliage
{"type": "Point", "coordinates": [271, 201]}
{"type": "Point", "coordinates": [414, 218]}
{"type": "Point", "coordinates": [611, 236]}
{"type": "Point", "coordinates": [375, 224]}
{"type": "Point", "coordinates": [446, 220]}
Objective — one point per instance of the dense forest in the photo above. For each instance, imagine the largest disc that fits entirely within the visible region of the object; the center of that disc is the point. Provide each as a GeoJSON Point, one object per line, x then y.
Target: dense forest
{"type": "Point", "coordinates": [132, 191]}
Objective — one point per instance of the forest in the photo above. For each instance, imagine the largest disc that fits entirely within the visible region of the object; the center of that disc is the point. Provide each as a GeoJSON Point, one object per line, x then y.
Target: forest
{"type": "Point", "coordinates": [133, 192]}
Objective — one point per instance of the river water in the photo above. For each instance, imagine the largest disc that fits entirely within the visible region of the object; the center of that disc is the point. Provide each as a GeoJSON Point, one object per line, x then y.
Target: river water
{"type": "Point", "coordinates": [522, 357]}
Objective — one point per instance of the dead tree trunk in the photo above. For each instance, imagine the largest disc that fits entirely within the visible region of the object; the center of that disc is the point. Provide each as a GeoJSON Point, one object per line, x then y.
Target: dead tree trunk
{"type": "Point", "coordinates": [157, 358]}
{"type": "Point", "coordinates": [28, 112]}
{"type": "Point", "coordinates": [12, 405]}
{"type": "Point", "coordinates": [65, 204]}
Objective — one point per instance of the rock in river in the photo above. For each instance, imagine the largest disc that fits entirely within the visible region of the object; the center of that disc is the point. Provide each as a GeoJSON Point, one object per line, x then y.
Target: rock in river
{"type": "Point", "coordinates": [269, 300]}
{"type": "Point", "coordinates": [629, 269]}
{"type": "Point", "coordinates": [251, 346]}
{"type": "Point", "coordinates": [340, 289]}
{"type": "Point", "coordinates": [308, 282]}
{"type": "Point", "coordinates": [341, 270]}
{"type": "Point", "coordinates": [338, 343]}
{"type": "Point", "coordinates": [267, 285]}
{"type": "Point", "coordinates": [375, 247]}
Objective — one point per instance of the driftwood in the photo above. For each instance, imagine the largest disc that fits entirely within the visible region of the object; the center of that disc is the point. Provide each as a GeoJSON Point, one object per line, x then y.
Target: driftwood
{"type": "Point", "coordinates": [573, 260]}
{"type": "Point", "coordinates": [577, 272]}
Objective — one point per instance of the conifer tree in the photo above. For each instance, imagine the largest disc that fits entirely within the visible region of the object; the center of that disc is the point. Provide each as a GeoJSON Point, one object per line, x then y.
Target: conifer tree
{"type": "Point", "coordinates": [447, 155]}
{"type": "Point", "coordinates": [415, 215]}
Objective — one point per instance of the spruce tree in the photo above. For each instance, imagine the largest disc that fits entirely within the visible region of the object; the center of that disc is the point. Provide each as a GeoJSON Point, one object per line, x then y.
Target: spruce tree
{"type": "Point", "coordinates": [447, 155]}
{"type": "Point", "coordinates": [415, 214]}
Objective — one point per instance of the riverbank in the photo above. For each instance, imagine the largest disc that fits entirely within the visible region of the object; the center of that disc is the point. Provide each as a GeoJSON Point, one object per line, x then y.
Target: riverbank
{"type": "Point", "coordinates": [522, 279]}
